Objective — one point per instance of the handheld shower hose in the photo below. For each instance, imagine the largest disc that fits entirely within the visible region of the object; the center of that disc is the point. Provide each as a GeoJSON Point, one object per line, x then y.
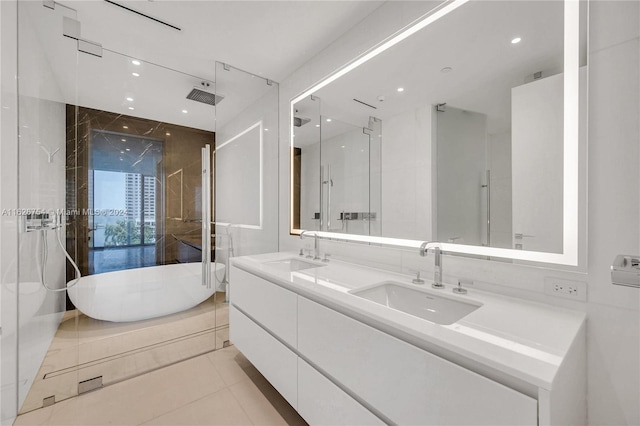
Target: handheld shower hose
{"type": "Point", "coordinates": [44, 253]}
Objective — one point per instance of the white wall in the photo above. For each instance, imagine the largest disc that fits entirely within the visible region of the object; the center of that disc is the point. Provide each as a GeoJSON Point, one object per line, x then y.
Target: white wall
{"type": "Point", "coordinates": [41, 186]}
{"type": "Point", "coordinates": [310, 186]}
{"type": "Point", "coordinates": [499, 157]}
{"type": "Point", "coordinates": [248, 238]}
{"type": "Point", "coordinates": [614, 200]}
{"type": "Point", "coordinates": [237, 171]}
{"type": "Point", "coordinates": [461, 167]}
{"type": "Point", "coordinates": [8, 200]}
{"type": "Point", "coordinates": [406, 175]}
{"type": "Point", "coordinates": [41, 183]}
{"type": "Point", "coordinates": [26, 336]}
{"type": "Point", "coordinates": [614, 210]}
{"type": "Point", "coordinates": [348, 156]}
{"type": "Point", "coordinates": [536, 153]}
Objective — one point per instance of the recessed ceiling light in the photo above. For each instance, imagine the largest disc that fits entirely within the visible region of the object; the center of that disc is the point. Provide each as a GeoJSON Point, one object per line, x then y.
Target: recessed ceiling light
{"type": "Point", "coordinates": [516, 40]}
{"type": "Point", "coordinates": [342, 146]}
{"type": "Point", "coordinates": [130, 99]}
{"type": "Point", "coordinates": [125, 127]}
{"type": "Point", "coordinates": [446, 69]}
{"type": "Point", "coordinates": [168, 134]}
{"type": "Point", "coordinates": [123, 140]}
{"type": "Point", "coordinates": [131, 108]}
{"type": "Point", "coordinates": [135, 74]}
{"type": "Point", "coordinates": [400, 89]}
{"type": "Point", "coordinates": [135, 62]}
{"type": "Point", "coordinates": [128, 149]}
{"type": "Point", "coordinates": [266, 130]}
{"type": "Point", "coordinates": [184, 111]}
{"type": "Point", "coordinates": [328, 120]}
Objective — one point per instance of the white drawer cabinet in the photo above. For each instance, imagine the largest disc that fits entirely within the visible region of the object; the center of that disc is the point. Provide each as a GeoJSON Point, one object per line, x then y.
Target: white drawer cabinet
{"type": "Point", "coordinates": [275, 361]}
{"type": "Point", "coordinates": [272, 306]}
{"type": "Point", "coordinates": [404, 383]}
{"type": "Point", "coordinates": [321, 402]}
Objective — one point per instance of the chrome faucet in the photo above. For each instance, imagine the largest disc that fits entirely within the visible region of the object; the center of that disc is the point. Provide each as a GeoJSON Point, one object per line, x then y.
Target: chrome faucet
{"type": "Point", "coordinates": [437, 273]}
{"type": "Point", "coordinates": [316, 243]}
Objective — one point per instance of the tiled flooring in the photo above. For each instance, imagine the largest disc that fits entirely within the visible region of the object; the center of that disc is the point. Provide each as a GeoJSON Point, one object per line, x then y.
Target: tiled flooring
{"type": "Point", "coordinates": [84, 348]}
{"type": "Point", "coordinates": [218, 388]}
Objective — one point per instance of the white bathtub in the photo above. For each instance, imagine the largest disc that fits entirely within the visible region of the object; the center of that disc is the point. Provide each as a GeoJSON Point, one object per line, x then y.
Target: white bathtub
{"type": "Point", "coordinates": [143, 293]}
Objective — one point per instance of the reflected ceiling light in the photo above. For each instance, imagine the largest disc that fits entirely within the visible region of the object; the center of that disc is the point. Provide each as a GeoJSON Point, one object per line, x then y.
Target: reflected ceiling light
{"type": "Point", "coordinates": [516, 40]}
{"type": "Point", "coordinates": [135, 74]}
{"type": "Point", "coordinates": [131, 108]}
{"type": "Point", "coordinates": [446, 69]}
{"type": "Point", "coordinates": [121, 159]}
{"type": "Point", "coordinates": [384, 46]}
{"type": "Point", "coordinates": [400, 89]}
{"type": "Point", "coordinates": [128, 149]}
{"type": "Point", "coordinates": [123, 140]}
{"type": "Point", "coordinates": [125, 127]}
{"type": "Point", "coordinates": [130, 99]}
{"type": "Point", "coordinates": [184, 111]}
{"type": "Point", "coordinates": [168, 134]}
{"type": "Point", "coordinates": [317, 125]}
{"type": "Point", "coordinates": [328, 120]}
{"type": "Point", "coordinates": [121, 152]}
{"type": "Point", "coordinates": [135, 62]}
{"type": "Point", "coordinates": [266, 130]}
{"type": "Point", "coordinates": [342, 146]}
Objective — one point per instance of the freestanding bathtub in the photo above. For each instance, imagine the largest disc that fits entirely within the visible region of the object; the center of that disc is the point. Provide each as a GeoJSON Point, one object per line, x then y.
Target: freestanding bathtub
{"type": "Point", "coordinates": [143, 293]}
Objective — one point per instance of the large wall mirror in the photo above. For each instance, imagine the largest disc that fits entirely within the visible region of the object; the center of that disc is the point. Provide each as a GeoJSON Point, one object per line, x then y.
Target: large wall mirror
{"type": "Point", "coordinates": [463, 128]}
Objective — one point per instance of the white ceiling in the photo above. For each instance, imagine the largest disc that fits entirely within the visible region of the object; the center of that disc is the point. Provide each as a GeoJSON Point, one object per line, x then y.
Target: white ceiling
{"type": "Point", "coordinates": [268, 38]}
{"type": "Point", "coordinates": [475, 41]}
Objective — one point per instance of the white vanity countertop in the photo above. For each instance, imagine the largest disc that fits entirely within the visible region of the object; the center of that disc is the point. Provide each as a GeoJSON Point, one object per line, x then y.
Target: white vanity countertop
{"type": "Point", "coordinates": [526, 340]}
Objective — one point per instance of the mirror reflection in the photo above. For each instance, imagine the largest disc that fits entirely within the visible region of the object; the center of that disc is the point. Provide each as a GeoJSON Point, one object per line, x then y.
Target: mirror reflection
{"type": "Point", "coordinates": [448, 136]}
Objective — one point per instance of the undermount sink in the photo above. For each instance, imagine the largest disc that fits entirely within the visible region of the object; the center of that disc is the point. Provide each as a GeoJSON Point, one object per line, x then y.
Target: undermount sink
{"type": "Point", "coordinates": [422, 304]}
{"type": "Point", "coordinates": [292, 264]}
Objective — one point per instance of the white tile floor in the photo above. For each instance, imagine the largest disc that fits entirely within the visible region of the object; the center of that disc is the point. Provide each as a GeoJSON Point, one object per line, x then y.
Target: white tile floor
{"type": "Point", "coordinates": [84, 348]}
{"type": "Point", "coordinates": [218, 388]}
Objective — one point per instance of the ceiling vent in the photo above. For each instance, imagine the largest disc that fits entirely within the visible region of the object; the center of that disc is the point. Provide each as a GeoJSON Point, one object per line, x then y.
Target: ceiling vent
{"type": "Point", "coordinates": [144, 15]}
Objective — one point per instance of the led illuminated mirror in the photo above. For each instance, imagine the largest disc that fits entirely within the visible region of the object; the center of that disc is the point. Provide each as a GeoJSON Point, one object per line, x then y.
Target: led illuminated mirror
{"type": "Point", "coordinates": [464, 129]}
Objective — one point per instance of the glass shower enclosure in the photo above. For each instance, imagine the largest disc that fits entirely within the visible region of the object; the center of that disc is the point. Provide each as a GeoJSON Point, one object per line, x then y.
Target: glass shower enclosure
{"type": "Point", "coordinates": [114, 149]}
{"type": "Point", "coordinates": [152, 179]}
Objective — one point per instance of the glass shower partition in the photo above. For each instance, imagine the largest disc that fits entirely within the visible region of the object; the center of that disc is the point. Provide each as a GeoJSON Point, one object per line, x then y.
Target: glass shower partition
{"type": "Point", "coordinates": [47, 335]}
{"type": "Point", "coordinates": [246, 172]}
{"type": "Point", "coordinates": [345, 177]}
{"type": "Point", "coordinates": [142, 169]}
{"type": "Point", "coordinates": [113, 148]}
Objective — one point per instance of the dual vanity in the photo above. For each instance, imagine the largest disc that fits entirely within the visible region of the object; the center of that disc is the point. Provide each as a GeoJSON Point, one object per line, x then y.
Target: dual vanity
{"type": "Point", "coordinates": [349, 344]}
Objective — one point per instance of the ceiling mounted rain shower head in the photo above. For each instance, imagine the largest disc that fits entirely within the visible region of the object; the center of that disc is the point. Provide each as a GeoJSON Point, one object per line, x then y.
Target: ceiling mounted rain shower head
{"type": "Point", "coordinates": [200, 94]}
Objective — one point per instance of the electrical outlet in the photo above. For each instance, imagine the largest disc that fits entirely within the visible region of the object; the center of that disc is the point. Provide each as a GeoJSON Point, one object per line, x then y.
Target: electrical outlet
{"type": "Point", "coordinates": [574, 290]}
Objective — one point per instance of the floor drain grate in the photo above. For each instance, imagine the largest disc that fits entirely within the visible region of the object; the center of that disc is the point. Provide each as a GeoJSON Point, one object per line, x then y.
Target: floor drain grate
{"type": "Point", "coordinates": [48, 401]}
